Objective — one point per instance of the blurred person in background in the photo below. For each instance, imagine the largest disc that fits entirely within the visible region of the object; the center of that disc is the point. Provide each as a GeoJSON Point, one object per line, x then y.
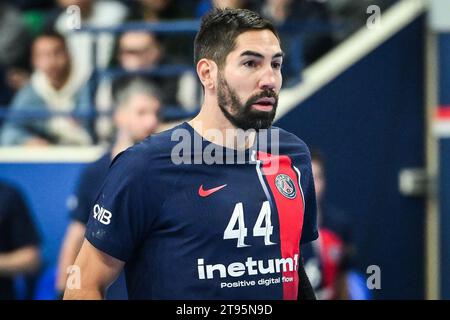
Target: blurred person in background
{"type": "Point", "coordinates": [140, 51]}
{"type": "Point", "coordinates": [137, 50]}
{"type": "Point", "coordinates": [328, 259]}
{"type": "Point", "coordinates": [14, 66]}
{"type": "Point", "coordinates": [19, 241]}
{"type": "Point", "coordinates": [93, 14]}
{"type": "Point", "coordinates": [286, 12]}
{"type": "Point", "coordinates": [54, 87]}
{"type": "Point", "coordinates": [135, 118]}
{"type": "Point", "coordinates": [177, 47]}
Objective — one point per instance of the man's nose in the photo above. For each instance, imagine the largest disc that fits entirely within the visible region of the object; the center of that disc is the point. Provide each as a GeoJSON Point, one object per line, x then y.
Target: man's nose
{"type": "Point", "coordinates": [268, 79]}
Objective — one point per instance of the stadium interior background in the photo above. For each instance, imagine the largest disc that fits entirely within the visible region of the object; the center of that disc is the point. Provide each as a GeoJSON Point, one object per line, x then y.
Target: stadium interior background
{"type": "Point", "coordinates": [372, 92]}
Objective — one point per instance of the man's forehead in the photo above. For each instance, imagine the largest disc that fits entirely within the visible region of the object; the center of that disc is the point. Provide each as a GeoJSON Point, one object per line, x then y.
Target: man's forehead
{"type": "Point", "coordinates": [137, 37]}
{"type": "Point", "coordinates": [261, 41]}
{"type": "Point", "coordinates": [47, 43]}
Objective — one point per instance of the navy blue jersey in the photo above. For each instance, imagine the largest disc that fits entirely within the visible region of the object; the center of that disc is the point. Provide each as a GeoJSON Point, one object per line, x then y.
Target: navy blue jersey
{"type": "Point", "coordinates": [207, 231]}
{"type": "Point", "coordinates": [91, 180]}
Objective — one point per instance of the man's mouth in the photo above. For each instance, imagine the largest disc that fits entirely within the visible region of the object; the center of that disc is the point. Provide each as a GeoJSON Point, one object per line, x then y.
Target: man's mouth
{"type": "Point", "coordinates": [264, 104]}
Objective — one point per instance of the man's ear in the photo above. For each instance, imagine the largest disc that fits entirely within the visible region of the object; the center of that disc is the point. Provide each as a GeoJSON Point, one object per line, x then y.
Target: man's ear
{"type": "Point", "coordinates": [207, 73]}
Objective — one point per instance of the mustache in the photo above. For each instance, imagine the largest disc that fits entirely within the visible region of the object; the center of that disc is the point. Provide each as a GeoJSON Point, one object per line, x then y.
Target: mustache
{"type": "Point", "coordinates": [263, 94]}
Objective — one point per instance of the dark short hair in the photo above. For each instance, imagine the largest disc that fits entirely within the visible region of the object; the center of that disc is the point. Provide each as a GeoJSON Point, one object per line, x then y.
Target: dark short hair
{"type": "Point", "coordinates": [219, 30]}
{"type": "Point", "coordinates": [125, 87]}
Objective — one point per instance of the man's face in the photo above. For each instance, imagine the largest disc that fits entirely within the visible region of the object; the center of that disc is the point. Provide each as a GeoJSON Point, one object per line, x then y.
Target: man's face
{"type": "Point", "coordinates": [248, 85]}
{"type": "Point", "coordinates": [319, 179]}
{"type": "Point", "coordinates": [140, 116]}
{"type": "Point", "coordinates": [138, 50]}
{"type": "Point", "coordinates": [51, 57]}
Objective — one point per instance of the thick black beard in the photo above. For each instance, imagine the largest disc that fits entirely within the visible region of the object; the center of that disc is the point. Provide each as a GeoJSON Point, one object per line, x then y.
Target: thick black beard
{"type": "Point", "coordinates": [243, 116]}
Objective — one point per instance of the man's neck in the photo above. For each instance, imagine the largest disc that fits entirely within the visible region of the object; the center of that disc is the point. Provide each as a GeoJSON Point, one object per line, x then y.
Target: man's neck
{"type": "Point", "coordinates": [213, 126]}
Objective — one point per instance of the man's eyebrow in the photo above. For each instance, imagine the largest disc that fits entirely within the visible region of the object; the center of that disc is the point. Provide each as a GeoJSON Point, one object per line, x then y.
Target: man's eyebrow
{"type": "Point", "coordinates": [278, 55]}
{"type": "Point", "coordinates": [259, 55]}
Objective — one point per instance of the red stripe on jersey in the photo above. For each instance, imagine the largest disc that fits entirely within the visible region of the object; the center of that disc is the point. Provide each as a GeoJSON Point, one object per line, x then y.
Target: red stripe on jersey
{"type": "Point", "coordinates": [290, 215]}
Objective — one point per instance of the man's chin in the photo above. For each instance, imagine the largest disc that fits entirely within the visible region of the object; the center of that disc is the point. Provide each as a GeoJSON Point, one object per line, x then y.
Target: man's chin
{"type": "Point", "coordinates": [256, 124]}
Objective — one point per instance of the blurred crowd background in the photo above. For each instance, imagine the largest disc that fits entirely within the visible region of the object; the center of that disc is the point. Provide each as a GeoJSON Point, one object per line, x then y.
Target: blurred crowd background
{"type": "Point", "coordinates": [46, 66]}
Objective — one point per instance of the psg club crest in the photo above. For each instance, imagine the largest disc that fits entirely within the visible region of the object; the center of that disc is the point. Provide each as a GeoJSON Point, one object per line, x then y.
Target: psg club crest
{"type": "Point", "coordinates": [286, 186]}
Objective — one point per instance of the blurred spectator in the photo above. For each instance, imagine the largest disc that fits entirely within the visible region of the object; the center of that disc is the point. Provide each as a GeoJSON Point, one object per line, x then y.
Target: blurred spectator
{"type": "Point", "coordinates": [135, 117]}
{"type": "Point", "coordinates": [277, 10]}
{"type": "Point", "coordinates": [143, 50]}
{"type": "Point", "coordinates": [140, 51]}
{"type": "Point", "coordinates": [178, 48]}
{"type": "Point", "coordinates": [19, 241]}
{"type": "Point", "coordinates": [328, 259]}
{"type": "Point", "coordinates": [311, 12]}
{"type": "Point", "coordinates": [53, 87]}
{"type": "Point", "coordinates": [14, 68]}
{"type": "Point", "coordinates": [93, 14]}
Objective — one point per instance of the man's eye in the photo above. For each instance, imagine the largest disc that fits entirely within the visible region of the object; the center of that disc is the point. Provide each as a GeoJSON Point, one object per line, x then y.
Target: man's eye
{"type": "Point", "coordinates": [276, 65]}
{"type": "Point", "coordinates": [250, 64]}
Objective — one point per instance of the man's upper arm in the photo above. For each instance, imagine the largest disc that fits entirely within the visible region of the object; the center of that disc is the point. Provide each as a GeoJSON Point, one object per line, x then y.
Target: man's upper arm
{"type": "Point", "coordinates": [124, 209]}
{"type": "Point", "coordinates": [92, 273]}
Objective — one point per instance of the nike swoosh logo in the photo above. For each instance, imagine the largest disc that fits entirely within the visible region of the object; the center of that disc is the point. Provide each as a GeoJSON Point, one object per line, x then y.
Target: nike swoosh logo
{"type": "Point", "coordinates": [205, 193]}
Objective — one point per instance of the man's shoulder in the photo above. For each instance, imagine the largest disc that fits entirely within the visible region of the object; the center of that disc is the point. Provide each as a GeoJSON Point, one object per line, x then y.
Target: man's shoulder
{"type": "Point", "coordinates": [28, 98]}
{"type": "Point", "coordinates": [160, 144]}
{"type": "Point", "coordinates": [149, 153]}
{"type": "Point", "coordinates": [289, 140]}
{"type": "Point", "coordinates": [98, 166]}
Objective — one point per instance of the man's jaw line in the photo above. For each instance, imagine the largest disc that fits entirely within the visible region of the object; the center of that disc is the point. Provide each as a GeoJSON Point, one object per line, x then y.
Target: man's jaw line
{"type": "Point", "coordinates": [211, 117]}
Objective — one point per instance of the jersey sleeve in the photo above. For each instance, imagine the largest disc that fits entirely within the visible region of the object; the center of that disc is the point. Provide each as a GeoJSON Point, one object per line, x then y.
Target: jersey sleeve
{"type": "Point", "coordinates": [84, 199]}
{"type": "Point", "coordinates": [123, 210]}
